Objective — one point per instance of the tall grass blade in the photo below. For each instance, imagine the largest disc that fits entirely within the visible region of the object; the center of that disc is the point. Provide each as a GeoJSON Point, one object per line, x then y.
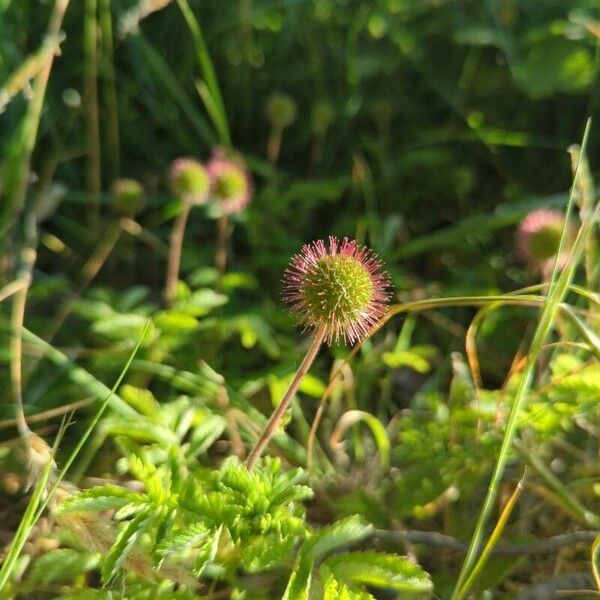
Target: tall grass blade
{"type": "Point", "coordinates": [90, 90]}
{"type": "Point", "coordinates": [498, 529]}
{"type": "Point", "coordinates": [163, 73]}
{"type": "Point", "coordinates": [109, 93]}
{"type": "Point", "coordinates": [558, 288]}
{"type": "Point", "coordinates": [212, 98]}
{"type": "Point", "coordinates": [78, 375]}
{"type": "Point", "coordinates": [15, 171]}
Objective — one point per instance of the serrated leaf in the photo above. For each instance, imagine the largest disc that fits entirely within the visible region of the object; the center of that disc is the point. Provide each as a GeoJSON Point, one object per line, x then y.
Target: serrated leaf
{"type": "Point", "coordinates": [123, 545]}
{"type": "Point", "coordinates": [180, 540]}
{"type": "Point", "coordinates": [320, 543]}
{"type": "Point", "coordinates": [207, 553]}
{"type": "Point", "coordinates": [327, 539]}
{"type": "Point", "coordinates": [336, 590]}
{"type": "Point", "coordinates": [62, 564]}
{"type": "Point", "coordinates": [140, 429]}
{"type": "Point", "coordinates": [378, 569]}
{"type": "Point", "coordinates": [205, 434]}
{"type": "Point", "coordinates": [104, 497]}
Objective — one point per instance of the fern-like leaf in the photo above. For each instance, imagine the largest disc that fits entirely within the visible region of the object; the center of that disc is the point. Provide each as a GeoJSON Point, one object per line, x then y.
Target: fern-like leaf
{"type": "Point", "coordinates": [123, 545]}
{"type": "Point", "coordinates": [99, 498]}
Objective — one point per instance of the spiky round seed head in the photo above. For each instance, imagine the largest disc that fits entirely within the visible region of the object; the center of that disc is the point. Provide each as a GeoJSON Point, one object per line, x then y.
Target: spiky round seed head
{"type": "Point", "coordinates": [538, 236]}
{"type": "Point", "coordinates": [190, 180]}
{"type": "Point", "coordinates": [341, 288]}
{"type": "Point", "coordinates": [128, 195]}
{"type": "Point", "coordinates": [231, 186]}
{"type": "Point", "coordinates": [281, 110]}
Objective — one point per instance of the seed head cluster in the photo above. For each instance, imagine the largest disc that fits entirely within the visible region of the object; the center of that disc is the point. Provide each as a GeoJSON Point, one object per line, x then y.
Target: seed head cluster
{"type": "Point", "coordinates": [224, 181]}
{"type": "Point", "coordinates": [341, 288]}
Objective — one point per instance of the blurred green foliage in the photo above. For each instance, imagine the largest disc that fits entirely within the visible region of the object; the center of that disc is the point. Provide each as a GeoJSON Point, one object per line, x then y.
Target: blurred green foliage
{"type": "Point", "coordinates": [423, 128]}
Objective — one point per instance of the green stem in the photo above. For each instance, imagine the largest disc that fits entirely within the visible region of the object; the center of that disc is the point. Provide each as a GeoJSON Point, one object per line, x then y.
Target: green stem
{"type": "Point", "coordinates": [90, 88]}
{"type": "Point", "coordinates": [277, 415]}
{"type": "Point", "coordinates": [177, 235]}
{"type": "Point", "coordinates": [109, 91]}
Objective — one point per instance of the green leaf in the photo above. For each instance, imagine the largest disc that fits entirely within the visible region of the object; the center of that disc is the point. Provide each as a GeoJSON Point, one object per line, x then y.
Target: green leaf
{"type": "Point", "coordinates": [171, 321]}
{"type": "Point", "coordinates": [202, 301]}
{"type": "Point", "coordinates": [99, 498]}
{"type": "Point", "coordinates": [141, 429]}
{"type": "Point", "coordinates": [378, 569]}
{"type": "Point", "coordinates": [336, 590]}
{"type": "Point", "coordinates": [406, 358]}
{"type": "Point", "coordinates": [126, 540]}
{"type": "Point", "coordinates": [119, 327]}
{"type": "Point", "coordinates": [207, 553]}
{"type": "Point", "coordinates": [322, 542]}
{"type": "Point", "coordinates": [180, 540]}
{"type": "Point", "coordinates": [88, 595]}
{"type": "Point", "coordinates": [205, 434]}
{"type": "Point", "coordinates": [312, 386]}
{"type": "Point", "coordinates": [142, 400]}
{"type": "Point", "coordinates": [62, 564]}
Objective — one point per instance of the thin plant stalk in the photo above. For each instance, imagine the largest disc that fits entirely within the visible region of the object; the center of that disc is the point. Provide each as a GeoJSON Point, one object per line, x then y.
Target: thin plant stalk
{"type": "Point", "coordinates": [500, 525]}
{"type": "Point", "coordinates": [109, 90]}
{"type": "Point", "coordinates": [12, 288]}
{"type": "Point", "coordinates": [177, 236]}
{"type": "Point", "coordinates": [274, 144]}
{"type": "Point", "coordinates": [280, 411]}
{"type": "Point", "coordinates": [27, 259]}
{"type": "Point", "coordinates": [221, 251]}
{"type": "Point", "coordinates": [16, 169]}
{"type": "Point", "coordinates": [559, 284]}
{"type": "Point", "coordinates": [90, 87]}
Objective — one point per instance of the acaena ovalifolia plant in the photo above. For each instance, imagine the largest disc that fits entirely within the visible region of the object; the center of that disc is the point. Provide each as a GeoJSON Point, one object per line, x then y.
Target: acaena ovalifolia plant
{"type": "Point", "coordinates": [339, 292]}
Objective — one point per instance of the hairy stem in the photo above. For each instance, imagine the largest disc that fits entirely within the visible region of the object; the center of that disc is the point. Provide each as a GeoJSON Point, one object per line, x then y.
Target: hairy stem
{"type": "Point", "coordinates": [221, 252]}
{"type": "Point", "coordinates": [277, 415]}
{"type": "Point", "coordinates": [177, 235]}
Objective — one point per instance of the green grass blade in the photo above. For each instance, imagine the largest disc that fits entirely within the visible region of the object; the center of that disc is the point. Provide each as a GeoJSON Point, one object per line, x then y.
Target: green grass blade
{"type": "Point", "coordinates": [79, 375]}
{"type": "Point", "coordinates": [556, 292]}
{"type": "Point", "coordinates": [157, 64]}
{"type": "Point", "coordinates": [15, 171]}
{"type": "Point", "coordinates": [213, 100]}
{"type": "Point", "coordinates": [498, 529]}
{"type": "Point", "coordinates": [28, 519]}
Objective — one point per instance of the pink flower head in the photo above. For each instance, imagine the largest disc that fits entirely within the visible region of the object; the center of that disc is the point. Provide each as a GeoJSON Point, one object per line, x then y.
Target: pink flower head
{"type": "Point", "coordinates": [231, 185]}
{"type": "Point", "coordinates": [190, 180]}
{"type": "Point", "coordinates": [538, 237]}
{"type": "Point", "coordinates": [342, 289]}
